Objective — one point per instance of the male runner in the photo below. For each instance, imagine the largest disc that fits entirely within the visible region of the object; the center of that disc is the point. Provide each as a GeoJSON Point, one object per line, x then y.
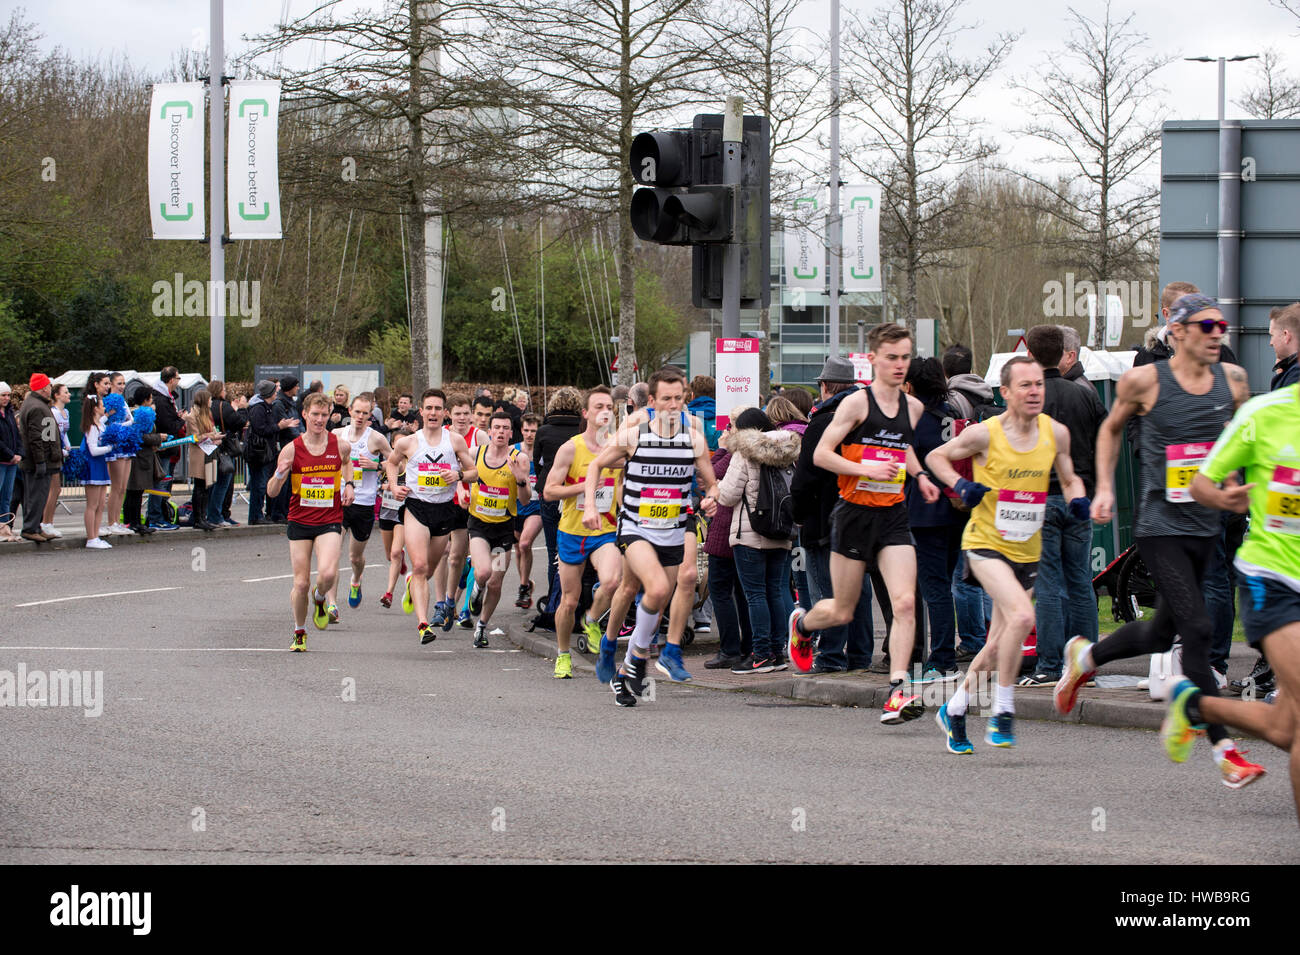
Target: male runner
{"type": "Point", "coordinates": [661, 457]}
{"type": "Point", "coordinates": [501, 483]}
{"type": "Point", "coordinates": [482, 412]}
{"type": "Point", "coordinates": [1262, 438]}
{"type": "Point", "coordinates": [1184, 404]}
{"type": "Point", "coordinates": [528, 522]}
{"type": "Point", "coordinates": [449, 576]}
{"type": "Point", "coordinates": [869, 445]}
{"type": "Point", "coordinates": [313, 464]}
{"type": "Point", "coordinates": [1014, 455]}
{"type": "Point", "coordinates": [576, 543]}
{"type": "Point", "coordinates": [432, 456]}
{"type": "Point", "coordinates": [369, 448]}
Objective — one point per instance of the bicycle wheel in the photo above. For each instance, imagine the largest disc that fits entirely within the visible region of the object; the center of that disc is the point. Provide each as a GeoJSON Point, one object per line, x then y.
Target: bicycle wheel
{"type": "Point", "coordinates": [1136, 588]}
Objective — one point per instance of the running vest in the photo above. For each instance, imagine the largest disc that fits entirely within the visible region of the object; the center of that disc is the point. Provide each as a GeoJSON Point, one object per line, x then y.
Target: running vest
{"type": "Point", "coordinates": [657, 485]}
{"type": "Point", "coordinates": [1009, 518]}
{"type": "Point", "coordinates": [878, 439]}
{"type": "Point", "coordinates": [1173, 442]}
{"type": "Point", "coordinates": [534, 505]}
{"type": "Point", "coordinates": [315, 485]}
{"type": "Point", "coordinates": [606, 494]}
{"type": "Point", "coordinates": [428, 467]}
{"type": "Point", "coordinates": [492, 497]}
{"type": "Point", "coordinates": [366, 483]}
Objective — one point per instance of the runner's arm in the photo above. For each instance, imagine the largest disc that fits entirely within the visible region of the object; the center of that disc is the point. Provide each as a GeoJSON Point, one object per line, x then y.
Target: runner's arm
{"type": "Point", "coordinates": [349, 492]}
{"type": "Point", "coordinates": [556, 489]}
{"type": "Point", "coordinates": [283, 465]}
{"type": "Point", "coordinates": [850, 412]}
{"type": "Point", "coordinates": [523, 492]}
{"type": "Point", "coordinates": [1239, 383]}
{"type": "Point", "coordinates": [464, 460]}
{"type": "Point", "coordinates": [613, 455]}
{"type": "Point", "coordinates": [704, 470]}
{"type": "Point", "coordinates": [972, 441]}
{"type": "Point", "coordinates": [929, 491]}
{"type": "Point", "coordinates": [393, 464]}
{"type": "Point", "coordinates": [1233, 450]}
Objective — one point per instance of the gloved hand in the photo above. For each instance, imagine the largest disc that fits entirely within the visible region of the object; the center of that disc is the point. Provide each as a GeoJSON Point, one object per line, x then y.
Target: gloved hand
{"type": "Point", "coordinates": [1080, 508]}
{"type": "Point", "coordinates": [40, 469]}
{"type": "Point", "coordinates": [970, 492]}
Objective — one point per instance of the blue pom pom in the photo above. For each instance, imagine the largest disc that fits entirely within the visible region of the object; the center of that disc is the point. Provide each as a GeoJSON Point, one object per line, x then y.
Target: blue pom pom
{"type": "Point", "coordinates": [77, 465]}
{"type": "Point", "coordinates": [124, 439]}
{"type": "Point", "coordinates": [115, 407]}
{"type": "Point", "coordinates": [145, 419]}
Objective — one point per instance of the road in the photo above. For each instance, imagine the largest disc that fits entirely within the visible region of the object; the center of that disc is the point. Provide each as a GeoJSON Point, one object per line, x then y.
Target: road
{"type": "Point", "coordinates": [217, 745]}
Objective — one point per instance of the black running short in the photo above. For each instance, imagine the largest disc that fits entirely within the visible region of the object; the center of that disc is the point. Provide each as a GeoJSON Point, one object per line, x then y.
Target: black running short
{"type": "Point", "coordinates": [309, 532]}
{"type": "Point", "coordinates": [499, 536]}
{"type": "Point", "coordinates": [859, 532]}
{"type": "Point", "coordinates": [438, 518]}
{"type": "Point", "coordinates": [1266, 607]}
{"type": "Point", "coordinates": [668, 556]}
{"type": "Point", "coordinates": [460, 521]}
{"type": "Point", "coordinates": [386, 525]}
{"type": "Point", "coordinates": [1026, 574]}
{"type": "Point", "coordinates": [359, 519]}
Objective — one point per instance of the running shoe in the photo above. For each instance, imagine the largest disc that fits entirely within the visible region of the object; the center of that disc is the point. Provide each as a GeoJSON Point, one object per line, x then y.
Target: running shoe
{"type": "Point", "coordinates": [1000, 730]}
{"type": "Point", "coordinates": [954, 727]}
{"type": "Point", "coordinates": [333, 611]}
{"type": "Point", "coordinates": [1038, 679]}
{"type": "Point", "coordinates": [635, 681]}
{"type": "Point", "coordinates": [1073, 676]}
{"type": "Point", "coordinates": [299, 644]}
{"type": "Point", "coordinates": [440, 616]}
{"type": "Point", "coordinates": [408, 605]}
{"type": "Point", "coordinates": [670, 664]}
{"type": "Point", "coordinates": [427, 633]}
{"type": "Point", "coordinates": [448, 615]}
{"type": "Point", "coordinates": [525, 598]}
{"type": "Point", "coordinates": [563, 666]}
{"type": "Point", "coordinates": [799, 646]}
{"type": "Point", "coordinates": [386, 600]}
{"type": "Point", "coordinates": [935, 675]}
{"type": "Point", "coordinates": [902, 705]}
{"type": "Point", "coordinates": [754, 664]}
{"type": "Point", "coordinates": [622, 695]}
{"type": "Point", "coordinates": [605, 660]}
{"type": "Point", "coordinates": [476, 601]}
{"type": "Point", "coordinates": [1237, 770]}
{"type": "Point", "coordinates": [403, 567]}
{"type": "Point", "coordinates": [480, 635]}
{"type": "Point", "coordinates": [354, 596]}
{"type": "Point", "coordinates": [594, 634]}
{"type": "Point", "coordinates": [319, 614]}
{"type": "Point", "coordinates": [464, 621]}
{"type": "Point", "coordinates": [1177, 731]}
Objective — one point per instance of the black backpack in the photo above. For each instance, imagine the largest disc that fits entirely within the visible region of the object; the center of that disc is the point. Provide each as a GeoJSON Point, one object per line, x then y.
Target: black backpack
{"type": "Point", "coordinates": [772, 515]}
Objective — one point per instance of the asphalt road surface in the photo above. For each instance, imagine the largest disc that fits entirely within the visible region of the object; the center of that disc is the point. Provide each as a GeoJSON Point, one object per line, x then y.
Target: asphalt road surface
{"type": "Point", "coordinates": [215, 744]}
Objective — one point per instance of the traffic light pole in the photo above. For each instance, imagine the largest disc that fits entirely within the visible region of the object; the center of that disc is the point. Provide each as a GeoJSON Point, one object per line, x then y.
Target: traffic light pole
{"type": "Point", "coordinates": [732, 136]}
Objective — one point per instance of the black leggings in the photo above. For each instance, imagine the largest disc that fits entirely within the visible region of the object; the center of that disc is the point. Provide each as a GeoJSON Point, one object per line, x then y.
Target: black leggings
{"type": "Point", "coordinates": [1178, 566]}
{"type": "Point", "coordinates": [131, 507]}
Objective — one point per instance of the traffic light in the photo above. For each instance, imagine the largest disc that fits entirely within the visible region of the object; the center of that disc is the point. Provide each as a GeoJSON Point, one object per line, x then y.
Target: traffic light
{"type": "Point", "coordinates": [686, 203]}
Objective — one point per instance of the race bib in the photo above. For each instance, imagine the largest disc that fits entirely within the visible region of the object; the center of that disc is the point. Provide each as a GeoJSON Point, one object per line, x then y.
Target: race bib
{"type": "Point", "coordinates": [491, 501]}
{"type": "Point", "coordinates": [1182, 461]}
{"type": "Point", "coordinates": [432, 476]}
{"type": "Point", "coordinates": [1019, 515]}
{"type": "Point", "coordinates": [604, 497]}
{"type": "Point", "coordinates": [316, 491]}
{"type": "Point", "coordinates": [357, 473]}
{"type": "Point", "coordinates": [1282, 508]}
{"type": "Point", "coordinates": [532, 481]}
{"type": "Point", "coordinates": [896, 456]}
{"type": "Point", "coordinates": [660, 506]}
{"type": "Point", "coordinates": [388, 502]}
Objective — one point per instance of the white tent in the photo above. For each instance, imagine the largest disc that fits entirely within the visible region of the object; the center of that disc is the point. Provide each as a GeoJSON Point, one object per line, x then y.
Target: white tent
{"type": "Point", "coordinates": [1097, 365]}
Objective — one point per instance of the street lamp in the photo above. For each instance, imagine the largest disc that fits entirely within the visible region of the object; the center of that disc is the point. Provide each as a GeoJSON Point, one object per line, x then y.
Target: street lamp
{"type": "Point", "coordinates": [1222, 71]}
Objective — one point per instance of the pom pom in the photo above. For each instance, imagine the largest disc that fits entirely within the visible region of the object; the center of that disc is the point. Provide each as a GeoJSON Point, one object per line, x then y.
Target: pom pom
{"type": "Point", "coordinates": [115, 407]}
{"type": "Point", "coordinates": [145, 419]}
{"type": "Point", "coordinates": [123, 438]}
{"type": "Point", "coordinates": [76, 467]}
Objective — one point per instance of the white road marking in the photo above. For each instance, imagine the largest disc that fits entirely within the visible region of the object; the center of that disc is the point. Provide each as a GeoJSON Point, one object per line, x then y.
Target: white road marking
{"type": "Point", "coordinates": [162, 649]}
{"type": "Point", "coordinates": [116, 593]}
{"type": "Point", "coordinates": [258, 580]}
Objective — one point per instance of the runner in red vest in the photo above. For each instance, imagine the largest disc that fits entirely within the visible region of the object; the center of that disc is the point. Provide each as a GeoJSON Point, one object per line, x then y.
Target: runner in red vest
{"type": "Point", "coordinates": [318, 492]}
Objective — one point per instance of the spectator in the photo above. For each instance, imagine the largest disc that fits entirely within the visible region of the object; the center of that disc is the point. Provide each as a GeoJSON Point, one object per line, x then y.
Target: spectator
{"type": "Point", "coordinates": [168, 423]}
{"type": "Point", "coordinates": [1065, 603]}
{"type": "Point", "coordinates": [639, 395]}
{"type": "Point", "coordinates": [285, 409]}
{"type": "Point", "coordinates": [781, 411]}
{"type": "Point", "coordinates": [513, 402]}
{"type": "Point", "coordinates": [339, 414]}
{"type": "Point", "coordinates": [801, 399]}
{"type": "Point", "coordinates": [483, 408]}
{"type": "Point", "coordinates": [762, 563]}
{"type": "Point", "coordinates": [563, 420]}
{"type": "Point", "coordinates": [239, 402]}
{"type": "Point", "coordinates": [230, 421]}
{"type": "Point", "coordinates": [39, 431]}
{"type": "Point", "coordinates": [815, 491]}
{"type": "Point", "coordinates": [261, 449]}
{"type": "Point", "coordinates": [735, 638]}
{"type": "Point", "coordinates": [203, 463]}
{"type": "Point", "coordinates": [10, 458]}
{"type": "Point", "coordinates": [59, 407]}
{"type": "Point", "coordinates": [316, 386]}
{"type": "Point", "coordinates": [1284, 337]}
{"type": "Point", "coordinates": [1071, 368]}
{"type": "Point", "coordinates": [381, 414]}
{"type": "Point", "coordinates": [99, 384]}
{"type": "Point", "coordinates": [406, 419]}
{"type": "Point", "coordinates": [145, 469]}
{"type": "Point", "coordinates": [97, 479]}
{"type": "Point", "coordinates": [970, 396]}
{"type": "Point", "coordinates": [704, 407]}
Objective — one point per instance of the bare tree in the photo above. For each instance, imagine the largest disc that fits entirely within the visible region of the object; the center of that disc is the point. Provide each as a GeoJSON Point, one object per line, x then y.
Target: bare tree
{"type": "Point", "coordinates": [1275, 94]}
{"type": "Point", "coordinates": [906, 86]}
{"type": "Point", "coordinates": [1094, 101]}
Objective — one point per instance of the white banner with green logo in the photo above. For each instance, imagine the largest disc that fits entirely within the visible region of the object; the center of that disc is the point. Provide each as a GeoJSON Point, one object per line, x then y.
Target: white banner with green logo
{"type": "Point", "coordinates": [176, 185]}
{"type": "Point", "coordinates": [252, 165]}
{"type": "Point", "coordinates": [861, 271]}
{"type": "Point", "coordinates": [805, 247]}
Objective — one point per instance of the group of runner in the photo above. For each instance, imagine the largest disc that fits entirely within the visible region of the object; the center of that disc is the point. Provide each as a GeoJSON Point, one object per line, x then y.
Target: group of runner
{"type": "Point", "coordinates": [626, 490]}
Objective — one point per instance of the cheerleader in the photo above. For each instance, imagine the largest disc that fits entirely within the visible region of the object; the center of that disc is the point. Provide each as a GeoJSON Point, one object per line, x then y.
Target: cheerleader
{"type": "Point", "coordinates": [97, 479]}
{"type": "Point", "coordinates": [119, 461]}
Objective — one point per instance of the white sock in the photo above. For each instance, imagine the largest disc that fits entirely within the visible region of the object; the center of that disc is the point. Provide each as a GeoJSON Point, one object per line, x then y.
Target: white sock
{"type": "Point", "coordinates": [1221, 749]}
{"type": "Point", "coordinates": [643, 634]}
{"type": "Point", "coordinates": [1085, 659]}
{"type": "Point", "coordinates": [1003, 701]}
{"type": "Point", "coordinates": [959, 701]}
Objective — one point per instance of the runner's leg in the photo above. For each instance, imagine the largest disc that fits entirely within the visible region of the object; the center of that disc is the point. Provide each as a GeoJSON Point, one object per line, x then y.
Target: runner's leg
{"type": "Point", "coordinates": [682, 606]}
{"type": "Point", "coordinates": [300, 557]}
{"type": "Point", "coordinates": [570, 592]}
{"type": "Point", "coordinates": [898, 568]}
{"type": "Point", "coordinates": [846, 588]}
{"type": "Point", "coordinates": [328, 548]}
{"type": "Point", "coordinates": [609, 569]}
{"type": "Point", "coordinates": [424, 557]}
{"type": "Point", "coordinates": [532, 527]}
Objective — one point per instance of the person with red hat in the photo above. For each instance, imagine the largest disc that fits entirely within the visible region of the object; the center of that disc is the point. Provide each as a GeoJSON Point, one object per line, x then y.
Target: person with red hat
{"type": "Point", "coordinates": [40, 433]}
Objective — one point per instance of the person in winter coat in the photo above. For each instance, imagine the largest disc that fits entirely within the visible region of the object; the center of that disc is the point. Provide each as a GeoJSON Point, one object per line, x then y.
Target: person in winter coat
{"type": "Point", "coordinates": [169, 425]}
{"type": "Point", "coordinates": [563, 420]}
{"type": "Point", "coordinates": [762, 563]}
{"type": "Point", "coordinates": [230, 421]}
{"type": "Point", "coordinates": [145, 468]}
{"type": "Point", "coordinates": [970, 395]}
{"type": "Point", "coordinates": [11, 448]}
{"type": "Point", "coordinates": [704, 407]}
{"type": "Point", "coordinates": [735, 636]}
{"type": "Point", "coordinates": [39, 430]}
{"type": "Point", "coordinates": [203, 467]}
{"type": "Point", "coordinates": [261, 448]}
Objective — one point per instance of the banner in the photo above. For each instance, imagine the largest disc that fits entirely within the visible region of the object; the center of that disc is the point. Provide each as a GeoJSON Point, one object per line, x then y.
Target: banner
{"type": "Point", "coordinates": [805, 250]}
{"type": "Point", "coordinates": [861, 270]}
{"type": "Point", "coordinates": [736, 374]}
{"type": "Point", "coordinates": [252, 163]}
{"type": "Point", "coordinates": [861, 367]}
{"type": "Point", "coordinates": [176, 208]}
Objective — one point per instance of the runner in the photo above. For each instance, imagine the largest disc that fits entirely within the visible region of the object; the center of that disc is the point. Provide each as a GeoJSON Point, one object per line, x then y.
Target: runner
{"type": "Point", "coordinates": [369, 448]}
{"type": "Point", "coordinates": [869, 445]}
{"type": "Point", "coordinates": [449, 578]}
{"type": "Point", "coordinates": [577, 544]}
{"type": "Point", "coordinates": [313, 465]}
{"type": "Point", "coordinates": [1262, 439]}
{"type": "Point", "coordinates": [431, 456]}
{"type": "Point", "coordinates": [661, 458]}
{"type": "Point", "coordinates": [394, 537]}
{"type": "Point", "coordinates": [1184, 404]}
{"type": "Point", "coordinates": [1014, 455]}
{"type": "Point", "coordinates": [501, 483]}
{"type": "Point", "coordinates": [528, 522]}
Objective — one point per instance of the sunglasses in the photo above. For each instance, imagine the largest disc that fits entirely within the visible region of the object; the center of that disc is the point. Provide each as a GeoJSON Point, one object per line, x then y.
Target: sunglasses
{"type": "Point", "coordinates": [1208, 325]}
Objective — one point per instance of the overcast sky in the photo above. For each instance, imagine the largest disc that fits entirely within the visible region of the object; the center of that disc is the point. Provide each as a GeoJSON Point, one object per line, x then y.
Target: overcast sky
{"type": "Point", "coordinates": [148, 32]}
